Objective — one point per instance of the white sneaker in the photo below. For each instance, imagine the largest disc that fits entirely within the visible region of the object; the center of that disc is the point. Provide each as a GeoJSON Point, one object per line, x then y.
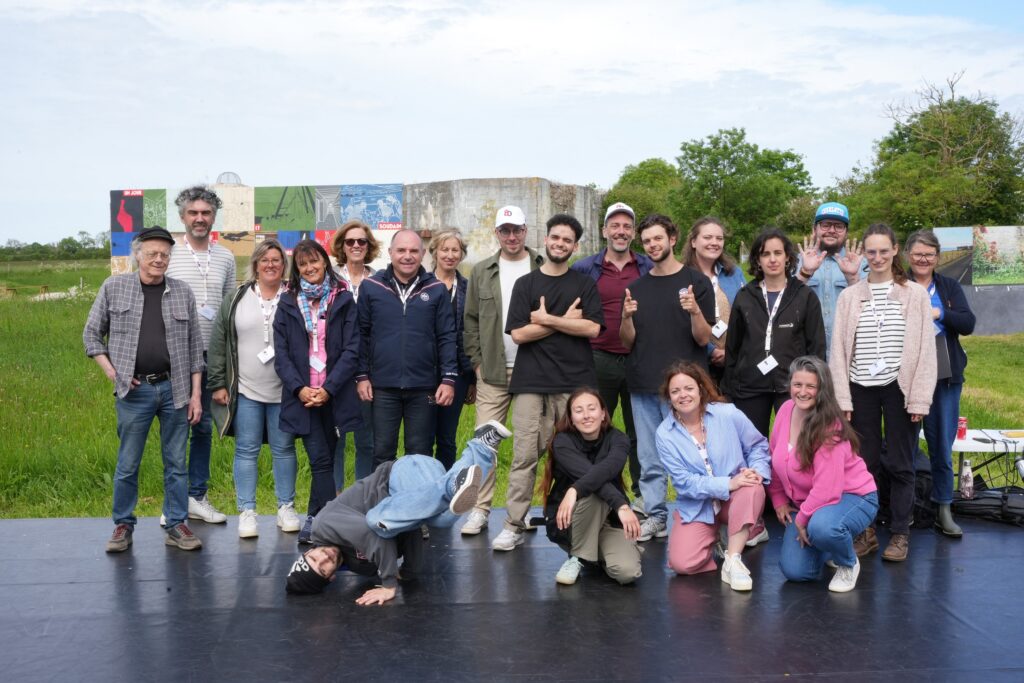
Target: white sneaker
{"type": "Point", "coordinates": [163, 521]}
{"type": "Point", "coordinates": [475, 523]}
{"type": "Point", "coordinates": [202, 508]}
{"type": "Point", "coordinates": [247, 526]}
{"type": "Point", "coordinates": [569, 572]}
{"type": "Point", "coordinates": [845, 579]}
{"type": "Point", "coordinates": [736, 574]}
{"type": "Point", "coordinates": [758, 538]}
{"type": "Point", "coordinates": [652, 528]}
{"type": "Point", "coordinates": [287, 519]}
{"type": "Point", "coordinates": [507, 540]}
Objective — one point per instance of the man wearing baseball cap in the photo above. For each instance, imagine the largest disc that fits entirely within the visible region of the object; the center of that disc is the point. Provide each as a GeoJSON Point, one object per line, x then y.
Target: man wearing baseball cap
{"type": "Point", "coordinates": [829, 260]}
{"type": "Point", "coordinates": [613, 269]}
{"type": "Point", "coordinates": [143, 332]}
{"type": "Point", "coordinates": [490, 350]}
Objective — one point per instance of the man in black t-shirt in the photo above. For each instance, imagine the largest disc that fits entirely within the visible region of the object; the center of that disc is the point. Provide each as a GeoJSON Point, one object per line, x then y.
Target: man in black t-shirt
{"type": "Point", "coordinates": [552, 314]}
{"type": "Point", "coordinates": [666, 317]}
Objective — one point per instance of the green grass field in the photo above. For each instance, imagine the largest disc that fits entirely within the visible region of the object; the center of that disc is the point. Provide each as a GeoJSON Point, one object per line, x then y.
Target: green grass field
{"type": "Point", "coordinates": [58, 446]}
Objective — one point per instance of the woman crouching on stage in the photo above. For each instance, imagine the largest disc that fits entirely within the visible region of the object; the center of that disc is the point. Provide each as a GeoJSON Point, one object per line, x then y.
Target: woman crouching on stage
{"type": "Point", "coordinates": [821, 489]}
{"type": "Point", "coordinates": [586, 506]}
{"type": "Point", "coordinates": [718, 462]}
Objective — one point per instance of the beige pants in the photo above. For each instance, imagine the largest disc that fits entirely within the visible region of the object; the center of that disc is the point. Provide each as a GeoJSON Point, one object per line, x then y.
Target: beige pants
{"type": "Point", "coordinates": [595, 540]}
{"type": "Point", "coordinates": [492, 403]}
{"type": "Point", "coordinates": [533, 421]}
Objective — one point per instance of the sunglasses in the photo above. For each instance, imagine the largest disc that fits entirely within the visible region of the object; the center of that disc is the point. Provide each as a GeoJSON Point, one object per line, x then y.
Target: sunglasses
{"type": "Point", "coordinates": [353, 241]}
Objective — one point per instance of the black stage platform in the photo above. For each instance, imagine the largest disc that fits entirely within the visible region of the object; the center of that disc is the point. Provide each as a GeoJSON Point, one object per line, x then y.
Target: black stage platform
{"type": "Point", "coordinates": [953, 612]}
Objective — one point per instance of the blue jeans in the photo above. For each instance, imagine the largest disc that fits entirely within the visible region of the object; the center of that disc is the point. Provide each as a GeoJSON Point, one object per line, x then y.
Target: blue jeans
{"type": "Point", "coordinates": [135, 413]}
{"type": "Point", "coordinates": [251, 419]}
{"type": "Point", "coordinates": [648, 412]}
{"type": "Point", "coordinates": [390, 407]}
{"type": "Point", "coordinates": [831, 529]}
{"type": "Point", "coordinates": [320, 444]}
{"type": "Point", "coordinates": [419, 491]}
{"type": "Point", "coordinates": [939, 432]}
{"type": "Point", "coordinates": [363, 440]}
{"type": "Point", "coordinates": [447, 424]}
{"type": "Point", "coordinates": [199, 445]}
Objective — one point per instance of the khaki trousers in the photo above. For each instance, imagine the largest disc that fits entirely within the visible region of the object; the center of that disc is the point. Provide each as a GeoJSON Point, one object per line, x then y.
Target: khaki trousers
{"type": "Point", "coordinates": [533, 421]}
{"type": "Point", "coordinates": [595, 540]}
{"type": "Point", "coordinates": [492, 403]}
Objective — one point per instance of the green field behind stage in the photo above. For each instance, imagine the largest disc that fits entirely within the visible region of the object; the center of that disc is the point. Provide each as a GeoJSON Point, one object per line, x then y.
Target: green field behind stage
{"type": "Point", "coordinates": [57, 429]}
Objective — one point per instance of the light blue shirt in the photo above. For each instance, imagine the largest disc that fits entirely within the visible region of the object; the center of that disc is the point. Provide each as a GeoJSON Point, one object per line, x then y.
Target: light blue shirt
{"type": "Point", "coordinates": [827, 283]}
{"type": "Point", "coordinates": [733, 443]}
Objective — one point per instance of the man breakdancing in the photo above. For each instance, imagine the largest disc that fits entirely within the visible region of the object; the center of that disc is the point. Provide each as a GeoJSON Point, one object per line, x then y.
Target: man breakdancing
{"type": "Point", "coordinates": [377, 520]}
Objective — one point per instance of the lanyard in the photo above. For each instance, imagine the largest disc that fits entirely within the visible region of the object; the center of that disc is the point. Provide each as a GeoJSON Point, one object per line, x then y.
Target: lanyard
{"type": "Point", "coordinates": [268, 311]}
{"type": "Point", "coordinates": [715, 290]}
{"type": "Point", "coordinates": [879, 319]}
{"type": "Point", "coordinates": [771, 315]}
{"type": "Point", "coordinates": [702, 450]}
{"type": "Point", "coordinates": [405, 293]}
{"type": "Point", "coordinates": [205, 274]}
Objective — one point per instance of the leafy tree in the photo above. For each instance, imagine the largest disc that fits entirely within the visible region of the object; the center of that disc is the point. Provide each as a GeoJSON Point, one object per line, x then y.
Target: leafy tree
{"type": "Point", "coordinates": [748, 187]}
{"type": "Point", "coordinates": [949, 160]}
{"type": "Point", "coordinates": [646, 187]}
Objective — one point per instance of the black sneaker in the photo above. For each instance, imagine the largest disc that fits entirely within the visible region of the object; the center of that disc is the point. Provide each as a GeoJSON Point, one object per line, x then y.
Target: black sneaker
{"type": "Point", "coordinates": [467, 487]}
{"type": "Point", "coordinates": [120, 539]}
{"type": "Point", "coordinates": [492, 433]}
{"type": "Point", "coordinates": [306, 533]}
{"type": "Point", "coordinates": [182, 537]}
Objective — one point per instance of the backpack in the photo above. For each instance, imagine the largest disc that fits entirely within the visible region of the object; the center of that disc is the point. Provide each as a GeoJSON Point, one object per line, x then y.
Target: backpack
{"type": "Point", "coordinates": [1004, 504]}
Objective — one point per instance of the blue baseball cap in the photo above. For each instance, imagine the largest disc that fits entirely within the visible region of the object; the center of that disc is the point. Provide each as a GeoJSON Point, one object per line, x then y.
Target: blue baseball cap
{"type": "Point", "coordinates": [833, 210]}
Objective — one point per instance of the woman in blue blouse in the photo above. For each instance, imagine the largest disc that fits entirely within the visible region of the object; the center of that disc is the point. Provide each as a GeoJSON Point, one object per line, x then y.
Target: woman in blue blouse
{"type": "Point", "coordinates": [718, 463]}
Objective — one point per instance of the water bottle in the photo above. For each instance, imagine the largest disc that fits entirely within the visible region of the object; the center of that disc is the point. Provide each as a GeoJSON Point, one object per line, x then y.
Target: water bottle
{"type": "Point", "coordinates": [966, 481]}
{"type": "Point", "coordinates": [1019, 464]}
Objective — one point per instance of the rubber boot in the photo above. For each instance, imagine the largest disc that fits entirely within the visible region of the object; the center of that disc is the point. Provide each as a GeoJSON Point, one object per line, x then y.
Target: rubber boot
{"type": "Point", "coordinates": [945, 522]}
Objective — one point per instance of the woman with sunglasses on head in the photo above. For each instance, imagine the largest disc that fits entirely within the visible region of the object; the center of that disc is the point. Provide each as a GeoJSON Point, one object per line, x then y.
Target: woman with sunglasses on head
{"type": "Point", "coordinates": [585, 504]}
{"type": "Point", "coordinates": [246, 388]}
{"type": "Point", "coordinates": [316, 343]}
{"type": "Point", "coordinates": [447, 249]}
{"type": "Point", "coordinates": [883, 363]}
{"type": "Point", "coordinates": [951, 317]}
{"type": "Point", "coordinates": [354, 247]}
{"type": "Point", "coordinates": [821, 489]}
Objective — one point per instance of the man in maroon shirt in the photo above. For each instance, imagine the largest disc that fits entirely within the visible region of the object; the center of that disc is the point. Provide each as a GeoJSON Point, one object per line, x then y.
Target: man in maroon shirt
{"type": "Point", "coordinates": [613, 269]}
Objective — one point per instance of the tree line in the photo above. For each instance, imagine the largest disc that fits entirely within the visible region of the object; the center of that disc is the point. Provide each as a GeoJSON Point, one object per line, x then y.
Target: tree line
{"type": "Point", "coordinates": [949, 160]}
{"type": "Point", "coordinates": [84, 246]}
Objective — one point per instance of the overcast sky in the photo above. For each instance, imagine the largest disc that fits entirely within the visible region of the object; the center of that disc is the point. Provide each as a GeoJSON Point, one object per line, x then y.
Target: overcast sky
{"type": "Point", "coordinates": [105, 95]}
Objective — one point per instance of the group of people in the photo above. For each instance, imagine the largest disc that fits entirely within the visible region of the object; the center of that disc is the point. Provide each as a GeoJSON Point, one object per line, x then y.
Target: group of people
{"type": "Point", "coordinates": [830, 335]}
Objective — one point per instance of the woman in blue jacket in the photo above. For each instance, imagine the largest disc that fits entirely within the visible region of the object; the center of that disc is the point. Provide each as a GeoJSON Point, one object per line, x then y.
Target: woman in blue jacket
{"type": "Point", "coordinates": [316, 344]}
{"type": "Point", "coordinates": [951, 317]}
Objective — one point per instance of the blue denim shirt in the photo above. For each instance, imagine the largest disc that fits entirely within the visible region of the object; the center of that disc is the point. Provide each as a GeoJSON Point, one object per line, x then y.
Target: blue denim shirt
{"type": "Point", "coordinates": [828, 282]}
{"type": "Point", "coordinates": [732, 443]}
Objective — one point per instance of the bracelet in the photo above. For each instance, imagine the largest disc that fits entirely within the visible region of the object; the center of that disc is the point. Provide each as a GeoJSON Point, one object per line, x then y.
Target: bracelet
{"type": "Point", "coordinates": [805, 275]}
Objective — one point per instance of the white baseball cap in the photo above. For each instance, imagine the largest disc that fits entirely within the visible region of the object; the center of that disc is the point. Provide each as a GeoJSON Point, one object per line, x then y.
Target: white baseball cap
{"type": "Point", "coordinates": [618, 207]}
{"type": "Point", "coordinates": [509, 215]}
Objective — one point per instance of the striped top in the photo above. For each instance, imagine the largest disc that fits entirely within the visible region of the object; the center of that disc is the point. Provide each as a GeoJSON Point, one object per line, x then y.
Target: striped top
{"type": "Point", "coordinates": [210, 290]}
{"type": "Point", "coordinates": [880, 333]}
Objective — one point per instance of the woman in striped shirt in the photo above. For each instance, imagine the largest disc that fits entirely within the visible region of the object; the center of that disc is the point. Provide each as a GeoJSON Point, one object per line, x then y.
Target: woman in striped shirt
{"type": "Point", "coordinates": [883, 362]}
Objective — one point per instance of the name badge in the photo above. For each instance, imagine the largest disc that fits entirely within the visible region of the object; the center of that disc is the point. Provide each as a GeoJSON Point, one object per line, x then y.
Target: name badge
{"type": "Point", "coordinates": [317, 364]}
{"type": "Point", "coordinates": [207, 312]}
{"type": "Point", "coordinates": [877, 367]}
{"type": "Point", "coordinates": [767, 365]}
{"type": "Point", "coordinates": [266, 355]}
{"type": "Point", "coordinates": [719, 329]}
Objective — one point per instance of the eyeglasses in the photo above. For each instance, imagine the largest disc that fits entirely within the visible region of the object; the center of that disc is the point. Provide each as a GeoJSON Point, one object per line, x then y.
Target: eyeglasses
{"type": "Point", "coordinates": [923, 257]}
{"type": "Point", "coordinates": [154, 255]}
{"type": "Point", "coordinates": [270, 261]}
{"type": "Point", "coordinates": [508, 232]}
{"type": "Point", "coordinates": [832, 226]}
{"type": "Point", "coordinates": [878, 253]}
{"type": "Point", "coordinates": [353, 241]}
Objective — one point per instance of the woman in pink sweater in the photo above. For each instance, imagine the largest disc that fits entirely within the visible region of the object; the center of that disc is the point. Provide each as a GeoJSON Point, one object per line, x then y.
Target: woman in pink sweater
{"type": "Point", "coordinates": [821, 489]}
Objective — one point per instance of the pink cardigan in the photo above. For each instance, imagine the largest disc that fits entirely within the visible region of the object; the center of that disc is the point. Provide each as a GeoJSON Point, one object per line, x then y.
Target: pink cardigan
{"type": "Point", "coordinates": [918, 369]}
{"type": "Point", "coordinates": [836, 470]}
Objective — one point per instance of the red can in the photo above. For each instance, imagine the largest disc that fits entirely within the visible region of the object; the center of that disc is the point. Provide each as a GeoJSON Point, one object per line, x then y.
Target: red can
{"type": "Point", "coordinates": [961, 428]}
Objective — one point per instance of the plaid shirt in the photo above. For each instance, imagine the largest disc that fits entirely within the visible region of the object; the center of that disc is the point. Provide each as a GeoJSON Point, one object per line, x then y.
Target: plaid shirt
{"type": "Point", "coordinates": [116, 316]}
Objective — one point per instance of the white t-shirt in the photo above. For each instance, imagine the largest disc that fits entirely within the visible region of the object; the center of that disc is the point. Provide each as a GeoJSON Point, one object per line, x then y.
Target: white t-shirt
{"type": "Point", "coordinates": [257, 381]}
{"type": "Point", "coordinates": [508, 273]}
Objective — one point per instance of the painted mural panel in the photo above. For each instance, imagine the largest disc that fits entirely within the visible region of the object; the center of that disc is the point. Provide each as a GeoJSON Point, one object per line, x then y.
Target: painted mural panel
{"type": "Point", "coordinates": [998, 255]}
{"type": "Point", "coordinates": [328, 207]}
{"type": "Point", "coordinates": [291, 207]}
{"type": "Point", "coordinates": [379, 206]}
{"type": "Point", "coordinates": [237, 212]}
{"type": "Point", "coordinates": [154, 208]}
{"type": "Point", "coordinates": [957, 247]}
{"type": "Point", "coordinates": [126, 211]}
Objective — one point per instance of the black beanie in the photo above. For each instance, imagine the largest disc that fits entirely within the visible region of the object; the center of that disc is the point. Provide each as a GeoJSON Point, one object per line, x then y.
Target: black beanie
{"type": "Point", "coordinates": [304, 579]}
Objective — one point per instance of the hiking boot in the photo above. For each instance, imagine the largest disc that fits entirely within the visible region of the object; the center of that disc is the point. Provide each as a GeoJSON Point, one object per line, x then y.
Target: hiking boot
{"type": "Point", "coordinates": [507, 540]}
{"type": "Point", "coordinates": [652, 528]}
{"type": "Point", "coordinates": [120, 539]}
{"type": "Point", "coordinates": [898, 548]}
{"type": "Point", "coordinates": [287, 519]}
{"type": "Point", "coordinates": [202, 508]}
{"type": "Point", "coordinates": [182, 537]}
{"type": "Point", "coordinates": [866, 542]}
{"type": "Point", "coordinates": [944, 523]}
{"type": "Point", "coordinates": [736, 574]}
{"type": "Point", "coordinates": [247, 525]}
{"type": "Point", "coordinates": [845, 578]}
{"type": "Point", "coordinates": [569, 572]}
{"type": "Point", "coordinates": [475, 523]}
{"type": "Point", "coordinates": [492, 433]}
{"type": "Point", "coordinates": [467, 486]}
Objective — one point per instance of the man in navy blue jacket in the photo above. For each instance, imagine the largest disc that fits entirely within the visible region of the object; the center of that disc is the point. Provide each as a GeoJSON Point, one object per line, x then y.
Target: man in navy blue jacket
{"type": "Point", "coordinates": [407, 360]}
